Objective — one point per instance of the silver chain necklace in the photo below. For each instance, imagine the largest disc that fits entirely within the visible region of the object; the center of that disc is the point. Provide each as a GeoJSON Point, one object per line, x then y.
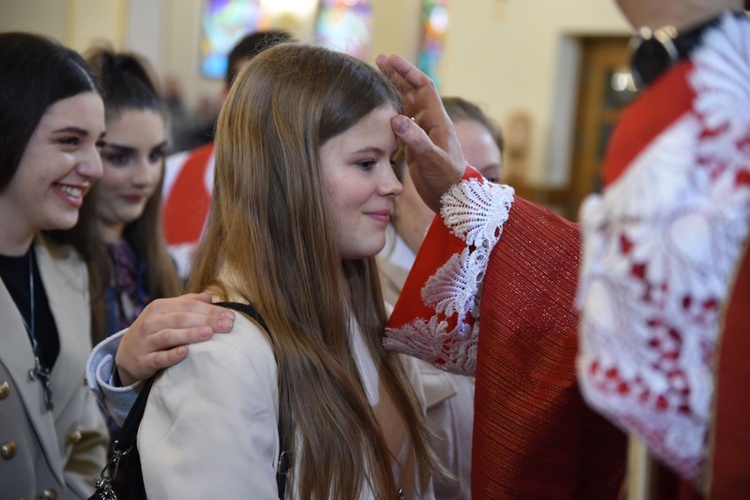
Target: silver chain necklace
{"type": "Point", "coordinates": [39, 372]}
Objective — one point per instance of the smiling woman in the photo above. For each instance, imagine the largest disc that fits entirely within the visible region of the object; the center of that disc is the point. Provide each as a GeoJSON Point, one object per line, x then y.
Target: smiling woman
{"type": "Point", "coordinates": [51, 120]}
{"type": "Point", "coordinates": [303, 193]}
{"type": "Point", "coordinates": [361, 190]}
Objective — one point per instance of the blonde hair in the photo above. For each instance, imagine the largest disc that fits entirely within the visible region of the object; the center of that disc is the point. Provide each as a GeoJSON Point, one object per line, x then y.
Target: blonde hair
{"type": "Point", "coordinates": [271, 224]}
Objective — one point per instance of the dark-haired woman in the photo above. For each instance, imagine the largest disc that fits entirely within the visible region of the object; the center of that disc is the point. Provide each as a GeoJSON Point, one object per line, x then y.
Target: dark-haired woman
{"type": "Point", "coordinates": [53, 440]}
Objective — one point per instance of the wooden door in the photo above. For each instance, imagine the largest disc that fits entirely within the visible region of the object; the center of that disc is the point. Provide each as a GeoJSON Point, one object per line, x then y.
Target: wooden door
{"type": "Point", "coordinates": [605, 88]}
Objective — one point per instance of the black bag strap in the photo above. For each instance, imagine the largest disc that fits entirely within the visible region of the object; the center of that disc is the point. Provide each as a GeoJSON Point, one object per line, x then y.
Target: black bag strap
{"type": "Point", "coordinates": [282, 468]}
{"type": "Point", "coordinates": [129, 432]}
{"type": "Point", "coordinates": [125, 445]}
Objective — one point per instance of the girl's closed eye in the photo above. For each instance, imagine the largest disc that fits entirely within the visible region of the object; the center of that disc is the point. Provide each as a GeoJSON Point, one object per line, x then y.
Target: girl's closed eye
{"type": "Point", "coordinates": [71, 141]}
{"type": "Point", "coordinates": [116, 158]}
{"type": "Point", "coordinates": [367, 164]}
{"type": "Point", "coordinates": [157, 155]}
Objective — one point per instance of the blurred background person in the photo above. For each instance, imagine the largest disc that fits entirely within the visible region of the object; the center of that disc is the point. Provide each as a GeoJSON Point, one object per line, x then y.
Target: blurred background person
{"type": "Point", "coordinates": [188, 179]}
{"type": "Point", "coordinates": [449, 397]}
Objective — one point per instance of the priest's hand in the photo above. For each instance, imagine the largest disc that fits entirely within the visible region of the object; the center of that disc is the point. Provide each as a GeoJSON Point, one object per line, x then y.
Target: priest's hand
{"type": "Point", "coordinates": [433, 153]}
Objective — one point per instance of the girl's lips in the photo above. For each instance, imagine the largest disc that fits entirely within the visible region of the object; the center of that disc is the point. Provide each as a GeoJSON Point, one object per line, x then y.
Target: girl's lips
{"type": "Point", "coordinates": [134, 198]}
{"type": "Point", "coordinates": [383, 217]}
{"type": "Point", "coordinates": [73, 195]}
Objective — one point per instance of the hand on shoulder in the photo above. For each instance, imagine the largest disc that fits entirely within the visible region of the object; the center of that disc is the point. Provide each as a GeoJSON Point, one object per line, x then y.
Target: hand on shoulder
{"type": "Point", "coordinates": [159, 337]}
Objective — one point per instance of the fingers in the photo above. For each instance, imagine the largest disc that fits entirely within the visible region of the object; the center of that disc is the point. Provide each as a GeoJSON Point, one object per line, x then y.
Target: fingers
{"type": "Point", "coordinates": [164, 359]}
{"type": "Point", "coordinates": [151, 363]}
{"type": "Point", "coordinates": [412, 135]}
{"type": "Point", "coordinates": [199, 303]}
{"type": "Point", "coordinates": [409, 72]}
{"type": "Point", "coordinates": [186, 312]}
{"type": "Point", "coordinates": [158, 337]}
{"type": "Point", "coordinates": [402, 71]}
{"type": "Point", "coordinates": [181, 331]}
{"type": "Point", "coordinates": [418, 93]}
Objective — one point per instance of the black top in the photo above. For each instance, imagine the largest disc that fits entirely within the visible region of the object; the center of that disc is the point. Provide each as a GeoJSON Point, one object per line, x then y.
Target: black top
{"type": "Point", "coordinates": [14, 271]}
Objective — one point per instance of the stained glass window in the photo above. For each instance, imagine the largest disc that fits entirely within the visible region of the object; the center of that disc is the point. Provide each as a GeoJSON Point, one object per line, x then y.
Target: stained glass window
{"type": "Point", "coordinates": [224, 23]}
{"type": "Point", "coordinates": [346, 25]}
{"type": "Point", "coordinates": [434, 28]}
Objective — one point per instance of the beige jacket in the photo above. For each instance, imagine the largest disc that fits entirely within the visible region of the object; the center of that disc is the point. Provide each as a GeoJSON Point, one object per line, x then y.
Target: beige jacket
{"type": "Point", "coordinates": [50, 454]}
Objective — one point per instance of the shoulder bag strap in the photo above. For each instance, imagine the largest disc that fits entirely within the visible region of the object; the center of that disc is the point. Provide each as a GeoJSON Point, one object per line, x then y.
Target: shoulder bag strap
{"type": "Point", "coordinates": [283, 466]}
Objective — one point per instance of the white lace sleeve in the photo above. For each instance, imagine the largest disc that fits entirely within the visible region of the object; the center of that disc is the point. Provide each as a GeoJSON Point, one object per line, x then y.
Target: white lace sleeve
{"type": "Point", "coordinates": [474, 211]}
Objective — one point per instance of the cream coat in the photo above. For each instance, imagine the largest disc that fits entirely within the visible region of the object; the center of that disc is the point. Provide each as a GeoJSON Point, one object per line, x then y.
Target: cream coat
{"type": "Point", "coordinates": [210, 426]}
{"type": "Point", "coordinates": [62, 451]}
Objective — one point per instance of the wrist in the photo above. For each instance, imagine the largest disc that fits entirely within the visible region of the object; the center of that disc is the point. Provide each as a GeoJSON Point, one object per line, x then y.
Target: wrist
{"type": "Point", "coordinates": [123, 378]}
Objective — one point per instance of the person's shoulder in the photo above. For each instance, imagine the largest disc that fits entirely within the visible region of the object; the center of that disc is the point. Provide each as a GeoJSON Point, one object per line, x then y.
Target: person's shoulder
{"type": "Point", "coordinates": [180, 157]}
{"type": "Point", "coordinates": [247, 339]}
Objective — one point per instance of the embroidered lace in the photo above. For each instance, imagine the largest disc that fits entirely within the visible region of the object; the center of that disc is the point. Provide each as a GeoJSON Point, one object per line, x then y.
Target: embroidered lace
{"type": "Point", "coordinates": [660, 249]}
{"type": "Point", "coordinates": [475, 211]}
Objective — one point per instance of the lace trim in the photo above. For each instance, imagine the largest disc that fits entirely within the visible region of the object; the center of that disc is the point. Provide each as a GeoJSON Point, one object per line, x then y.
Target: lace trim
{"type": "Point", "coordinates": [660, 249]}
{"type": "Point", "coordinates": [474, 211]}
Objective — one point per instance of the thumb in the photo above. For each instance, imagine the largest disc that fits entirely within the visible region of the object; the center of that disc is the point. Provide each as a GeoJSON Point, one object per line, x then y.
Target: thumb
{"type": "Point", "coordinates": [202, 296]}
{"type": "Point", "coordinates": [411, 134]}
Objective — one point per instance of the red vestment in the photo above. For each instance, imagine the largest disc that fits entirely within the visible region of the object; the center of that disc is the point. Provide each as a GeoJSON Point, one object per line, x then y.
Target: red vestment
{"type": "Point", "coordinates": [534, 437]}
{"type": "Point", "coordinates": [187, 199]}
{"type": "Point", "coordinates": [493, 290]}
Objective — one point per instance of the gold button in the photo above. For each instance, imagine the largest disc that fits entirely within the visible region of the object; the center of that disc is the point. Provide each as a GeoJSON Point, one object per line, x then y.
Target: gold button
{"type": "Point", "coordinates": [8, 450]}
{"type": "Point", "coordinates": [48, 494]}
{"type": "Point", "coordinates": [4, 390]}
{"type": "Point", "coordinates": [74, 438]}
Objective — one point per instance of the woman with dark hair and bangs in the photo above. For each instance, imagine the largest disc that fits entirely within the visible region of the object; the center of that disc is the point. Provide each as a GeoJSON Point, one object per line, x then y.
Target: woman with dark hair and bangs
{"type": "Point", "coordinates": [303, 192]}
{"type": "Point", "coordinates": [53, 437]}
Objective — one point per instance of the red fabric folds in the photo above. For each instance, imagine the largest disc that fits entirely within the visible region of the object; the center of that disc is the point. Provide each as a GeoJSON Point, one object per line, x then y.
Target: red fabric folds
{"type": "Point", "coordinates": [731, 459]}
{"type": "Point", "coordinates": [534, 437]}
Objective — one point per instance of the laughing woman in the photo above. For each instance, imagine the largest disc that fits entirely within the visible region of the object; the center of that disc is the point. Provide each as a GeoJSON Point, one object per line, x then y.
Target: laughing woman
{"type": "Point", "coordinates": [52, 436]}
{"type": "Point", "coordinates": [53, 439]}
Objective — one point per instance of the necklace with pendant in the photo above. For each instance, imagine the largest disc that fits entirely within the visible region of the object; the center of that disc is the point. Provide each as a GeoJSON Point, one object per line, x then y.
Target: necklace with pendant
{"type": "Point", "coordinates": [38, 372]}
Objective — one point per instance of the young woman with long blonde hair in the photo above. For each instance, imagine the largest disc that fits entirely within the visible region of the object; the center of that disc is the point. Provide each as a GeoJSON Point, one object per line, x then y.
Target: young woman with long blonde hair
{"type": "Point", "coordinates": [303, 192]}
